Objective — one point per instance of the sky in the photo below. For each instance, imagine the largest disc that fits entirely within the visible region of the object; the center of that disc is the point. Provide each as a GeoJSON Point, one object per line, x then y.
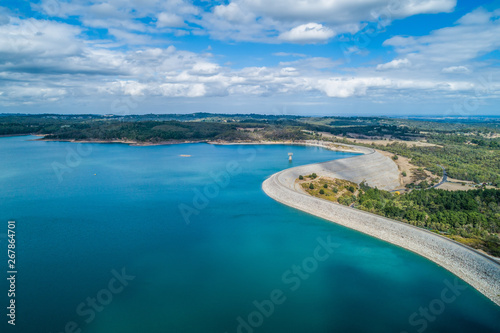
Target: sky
{"type": "Point", "coordinates": [307, 57]}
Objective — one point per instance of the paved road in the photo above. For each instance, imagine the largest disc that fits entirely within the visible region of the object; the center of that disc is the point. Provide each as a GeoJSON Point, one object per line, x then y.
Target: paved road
{"type": "Point", "coordinates": [445, 177]}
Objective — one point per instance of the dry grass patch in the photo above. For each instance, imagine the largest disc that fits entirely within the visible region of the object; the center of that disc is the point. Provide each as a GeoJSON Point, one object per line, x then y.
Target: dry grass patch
{"type": "Point", "coordinates": [332, 189]}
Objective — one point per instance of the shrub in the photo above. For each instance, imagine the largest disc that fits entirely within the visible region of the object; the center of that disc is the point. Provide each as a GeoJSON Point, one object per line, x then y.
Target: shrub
{"type": "Point", "coordinates": [311, 186]}
{"type": "Point", "coordinates": [335, 190]}
{"type": "Point", "coordinates": [314, 175]}
{"type": "Point", "coordinates": [325, 186]}
{"type": "Point", "coordinates": [404, 173]}
{"type": "Point", "coordinates": [301, 177]}
{"type": "Point", "coordinates": [351, 189]}
{"type": "Point", "coordinates": [321, 191]}
{"type": "Point", "coordinates": [395, 157]}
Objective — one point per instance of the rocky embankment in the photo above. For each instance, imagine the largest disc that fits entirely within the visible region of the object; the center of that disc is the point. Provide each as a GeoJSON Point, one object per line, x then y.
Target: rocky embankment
{"type": "Point", "coordinates": [480, 271]}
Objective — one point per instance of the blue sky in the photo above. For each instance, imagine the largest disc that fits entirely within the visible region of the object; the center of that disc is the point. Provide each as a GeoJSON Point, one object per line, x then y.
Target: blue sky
{"type": "Point", "coordinates": [316, 57]}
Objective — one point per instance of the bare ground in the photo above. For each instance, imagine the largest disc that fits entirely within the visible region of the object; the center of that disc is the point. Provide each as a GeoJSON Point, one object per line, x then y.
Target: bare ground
{"type": "Point", "coordinates": [413, 175]}
{"type": "Point", "coordinates": [380, 142]}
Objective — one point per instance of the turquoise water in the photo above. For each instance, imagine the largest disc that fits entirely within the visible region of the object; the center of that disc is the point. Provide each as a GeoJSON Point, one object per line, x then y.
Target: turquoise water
{"type": "Point", "coordinates": [115, 207]}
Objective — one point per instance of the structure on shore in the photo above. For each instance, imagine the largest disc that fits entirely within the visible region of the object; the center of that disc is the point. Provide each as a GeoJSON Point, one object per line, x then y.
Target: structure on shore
{"type": "Point", "coordinates": [477, 269]}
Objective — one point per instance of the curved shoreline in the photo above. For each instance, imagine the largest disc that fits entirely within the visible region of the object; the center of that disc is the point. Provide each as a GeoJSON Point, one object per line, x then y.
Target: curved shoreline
{"type": "Point", "coordinates": [475, 268]}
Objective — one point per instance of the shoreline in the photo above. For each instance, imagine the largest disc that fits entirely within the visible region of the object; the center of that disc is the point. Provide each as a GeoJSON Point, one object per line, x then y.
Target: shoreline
{"type": "Point", "coordinates": [311, 143]}
{"type": "Point", "coordinates": [12, 135]}
{"type": "Point", "coordinates": [127, 142]}
{"type": "Point", "coordinates": [479, 270]}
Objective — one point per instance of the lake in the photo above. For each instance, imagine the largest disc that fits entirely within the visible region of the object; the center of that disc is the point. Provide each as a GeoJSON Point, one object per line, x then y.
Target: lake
{"type": "Point", "coordinates": [116, 238]}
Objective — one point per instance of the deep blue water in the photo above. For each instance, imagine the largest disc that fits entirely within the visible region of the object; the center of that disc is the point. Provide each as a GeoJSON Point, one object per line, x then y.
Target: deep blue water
{"type": "Point", "coordinates": [112, 207]}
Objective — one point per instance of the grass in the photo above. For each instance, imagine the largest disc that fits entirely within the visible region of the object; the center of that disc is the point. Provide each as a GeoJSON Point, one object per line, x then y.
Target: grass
{"type": "Point", "coordinates": [336, 190]}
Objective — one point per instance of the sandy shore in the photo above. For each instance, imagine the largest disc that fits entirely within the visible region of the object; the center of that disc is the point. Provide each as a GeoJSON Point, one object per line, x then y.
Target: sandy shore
{"type": "Point", "coordinates": [312, 143]}
{"type": "Point", "coordinates": [477, 269]}
{"type": "Point", "coordinates": [315, 143]}
{"type": "Point", "coordinates": [127, 142]}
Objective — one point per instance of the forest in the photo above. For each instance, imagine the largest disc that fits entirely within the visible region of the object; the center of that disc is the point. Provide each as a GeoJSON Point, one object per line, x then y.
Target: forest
{"type": "Point", "coordinates": [144, 130]}
{"type": "Point", "coordinates": [471, 217]}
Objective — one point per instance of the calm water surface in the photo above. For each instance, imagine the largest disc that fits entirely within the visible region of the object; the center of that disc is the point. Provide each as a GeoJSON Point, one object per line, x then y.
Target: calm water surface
{"type": "Point", "coordinates": [199, 247]}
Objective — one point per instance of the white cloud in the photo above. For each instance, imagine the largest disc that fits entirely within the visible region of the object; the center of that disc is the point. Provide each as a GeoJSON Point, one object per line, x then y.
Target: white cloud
{"type": "Point", "coordinates": [169, 20]}
{"type": "Point", "coordinates": [288, 54]}
{"type": "Point", "coordinates": [272, 21]}
{"type": "Point", "coordinates": [233, 13]}
{"type": "Point", "coordinates": [39, 70]}
{"type": "Point", "coordinates": [347, 87]}
{"type": "Point", "coordinates": [38, 38]}
{"type": "Point", "coordinates": [182, 90]}
{"type": "Point", "coordinates": [204, 68]}
{"type": "Point", "coordinates": [307, 34]}
{"type": "Point", "coordinates": [241, 20]}
{"type": "Point", "coordinates": [415, 7]}
{"type": "Point", "coordinates": [106, 10]}
{"type": "Point", "coordinates": [394, 64]}
{"type": "Point", "coordinates": [456, 70]}
{"type": "Point", "coordinates": [339, 12]}
{"type": "Point", "coordinates": [474, 35]}
{"type": "Point", "coordinates": [30, 95]}
{"type": "Point", "coordinates": [312, 63]}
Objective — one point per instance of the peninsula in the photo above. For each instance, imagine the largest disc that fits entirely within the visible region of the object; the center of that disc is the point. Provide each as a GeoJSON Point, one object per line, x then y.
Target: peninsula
{"type": "Point", "coordinates": [477, 269]}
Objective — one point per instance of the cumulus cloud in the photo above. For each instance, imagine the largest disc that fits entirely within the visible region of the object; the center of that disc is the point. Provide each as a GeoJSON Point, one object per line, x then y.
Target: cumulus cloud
{"type": "Point", "coordinates": [241, 20]}
{"type": "Point", "coordinates": [169, 20]}
{"type": "Point", "coordinates": [415, 7]}
{"type": "Point", "coordinates": [34, 68]}
{"type": "Point", "coordinates": [38, 38]}
{"type": "Point", "coordinates": [308, 33]}
{"type": "Point", "coordinates": [394, 64]}
{"type": "Point", "coordinates": [205, 68]}
{"type": "Point", "coordinates": [288, 54]}
{"type": "Point", "coordinates": [347, 87]}
{"type": "Point", "coordinates": [341, 12]}
{"type": "Point", "coordinates": [456, 70]}
{"type": "Point", "coordinates": [182, 90]}
{"type": "Point", "coordinates": [289, 20]}
{"type": "Point", "coordinates": [122, 17]}
{"type": "Point", "coordinates": [233, 13]}
{"type": "Point", "coordinates": [474, 35]}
